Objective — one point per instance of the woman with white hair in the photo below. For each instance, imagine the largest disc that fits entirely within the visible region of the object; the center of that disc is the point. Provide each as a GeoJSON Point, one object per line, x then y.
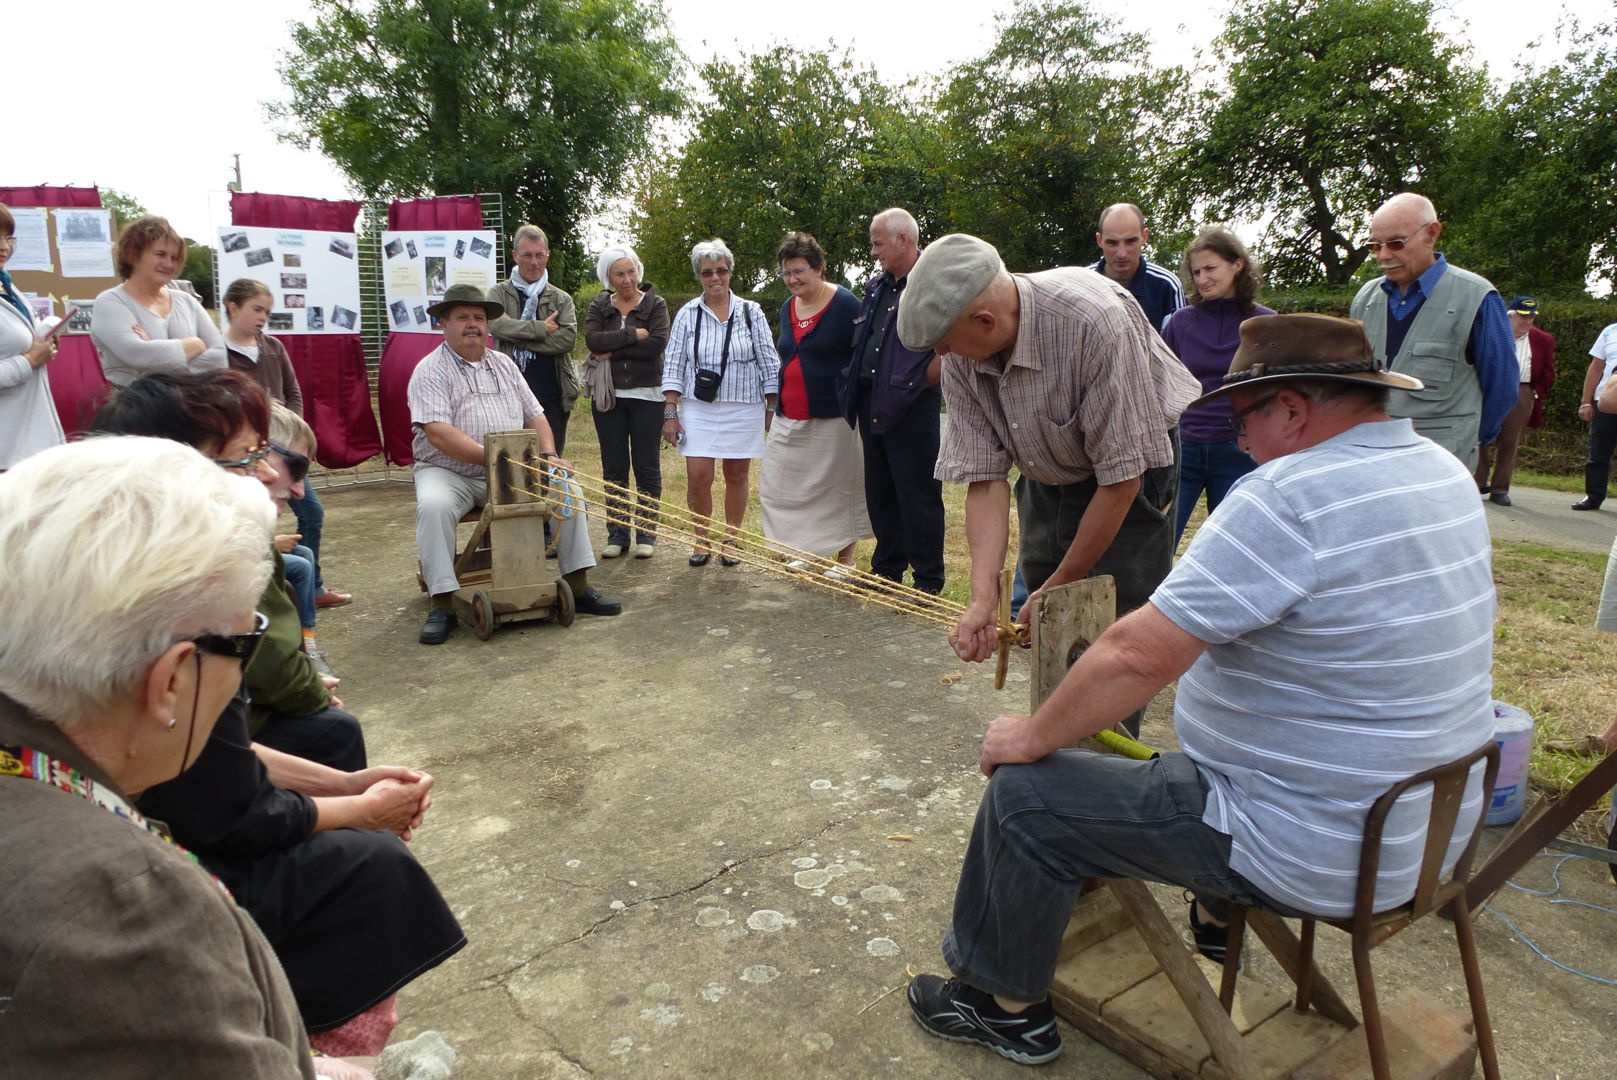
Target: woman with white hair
{"type": "Point", "coordinates": [722, 367]}
{"type": "Point", "coordinates": [119, 957]}
{"type": "Point", "coordinates": [626, 329]}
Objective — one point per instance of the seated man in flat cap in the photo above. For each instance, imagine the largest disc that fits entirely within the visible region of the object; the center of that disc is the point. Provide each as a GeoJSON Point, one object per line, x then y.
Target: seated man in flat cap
{"type": "Point", "coordinates": [1331, 628]}
{"type": "Point", "coordinates": [459, 393]}
{"type": "Point", "coordinates": [1060, 374]}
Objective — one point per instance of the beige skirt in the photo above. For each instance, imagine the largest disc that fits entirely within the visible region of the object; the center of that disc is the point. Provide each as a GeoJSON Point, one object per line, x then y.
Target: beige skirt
{"type": "Point", "coordinates": [813, 485]}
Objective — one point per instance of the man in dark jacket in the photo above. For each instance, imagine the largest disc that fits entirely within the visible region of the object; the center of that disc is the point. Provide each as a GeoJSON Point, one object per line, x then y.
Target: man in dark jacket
{"type": "Point", "coordinates": [891, 395]}
{"type": "Point", "coordinates": [538, 329]}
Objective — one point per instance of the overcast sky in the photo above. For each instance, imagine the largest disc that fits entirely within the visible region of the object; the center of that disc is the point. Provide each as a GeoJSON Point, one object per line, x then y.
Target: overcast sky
{"type": "Point", "coordinates": [153, 101]}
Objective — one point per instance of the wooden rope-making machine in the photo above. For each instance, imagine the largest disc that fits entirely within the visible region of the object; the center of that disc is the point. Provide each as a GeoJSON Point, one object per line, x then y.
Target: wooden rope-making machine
{"type": "Point", "coordinates": [1126, 975]}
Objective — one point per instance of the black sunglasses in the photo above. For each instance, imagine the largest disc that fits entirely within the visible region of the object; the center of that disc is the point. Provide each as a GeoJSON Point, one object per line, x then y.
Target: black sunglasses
{"type": "Point", "coordinates": [297, 465]}
{"type": "Point", "coordinates": [238, 646]}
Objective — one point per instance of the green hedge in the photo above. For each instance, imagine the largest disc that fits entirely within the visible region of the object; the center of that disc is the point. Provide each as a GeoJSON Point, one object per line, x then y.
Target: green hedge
{"type": "Point", "coordinates": [1560, 446]}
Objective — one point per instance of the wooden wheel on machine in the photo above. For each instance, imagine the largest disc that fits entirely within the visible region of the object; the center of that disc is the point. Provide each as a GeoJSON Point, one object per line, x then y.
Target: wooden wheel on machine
{"type": "Point", "coordinates": [564, 604]}
{"type": "Point", "coordinates": [482, 615]}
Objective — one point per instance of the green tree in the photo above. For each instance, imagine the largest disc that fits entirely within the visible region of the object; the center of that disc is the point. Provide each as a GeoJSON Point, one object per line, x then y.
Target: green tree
{"type": "Point", "coordinates": [547, 102]}
{"type": "Point", "coordinates": [1529, 194]}
{"type": "Point", "coordinates": [1060, 118]}
{"type": "Point", "coordinates": [125, 208]}
{"type": "Point", "coordinates": [199, 270]}
{"type": "Point", "coordinates": [1331, 106]}
{"type": "Point", "coordinates": [784, 140]}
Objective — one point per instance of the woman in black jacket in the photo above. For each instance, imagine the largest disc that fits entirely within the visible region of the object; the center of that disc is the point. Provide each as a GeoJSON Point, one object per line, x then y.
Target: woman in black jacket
{"type": "Point", "coordinates": [626, 328]}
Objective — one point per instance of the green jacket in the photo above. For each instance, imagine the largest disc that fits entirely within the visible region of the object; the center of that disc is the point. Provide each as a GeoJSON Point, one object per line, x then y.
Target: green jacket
{"type": "Point", "coordinates": [282, 679]}
{"type": "Point", "coordinates": [531, 333]}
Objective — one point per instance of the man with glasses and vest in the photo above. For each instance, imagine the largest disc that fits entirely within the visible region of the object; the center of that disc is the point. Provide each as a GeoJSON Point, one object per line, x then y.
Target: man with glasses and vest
{"type": "Point", "coordinates": [459, 393]}
{"type": "Point", "coordinates": [1445, 326]}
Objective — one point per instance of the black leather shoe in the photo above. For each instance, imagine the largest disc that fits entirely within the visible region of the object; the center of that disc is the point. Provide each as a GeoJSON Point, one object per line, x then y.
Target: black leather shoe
{"type": "Point", "coordinates": [1499, 498]}
{"type": "Point", "coordinates": [593, 603]}
{"type": "Point", "coordinates": [1586, 503]}
{"type": "Point", "coordinates": [437, 627]}
{"type": "Point", "coordinates": [701, 558]}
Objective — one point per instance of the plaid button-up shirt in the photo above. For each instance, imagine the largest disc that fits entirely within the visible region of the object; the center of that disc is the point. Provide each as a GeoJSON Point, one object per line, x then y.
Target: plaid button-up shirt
{"type": "Point", "coordinates": [479, 398]}
{"type": "Point", "coordinates": [1089, 389]}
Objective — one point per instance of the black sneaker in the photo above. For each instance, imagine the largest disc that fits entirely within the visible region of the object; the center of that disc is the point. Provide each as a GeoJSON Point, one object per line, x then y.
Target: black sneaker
{"type": "Point", "coordinates": [950, 1009]}
{"type": "Point", "coordinates": [1212, 940]}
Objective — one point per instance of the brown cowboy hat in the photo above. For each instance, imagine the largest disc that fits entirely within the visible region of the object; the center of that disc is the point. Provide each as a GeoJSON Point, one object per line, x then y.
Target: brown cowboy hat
{"type": "Point", "coordinates": [465, 296]}
{"type": "Point", "coordinates": [1280, 347]}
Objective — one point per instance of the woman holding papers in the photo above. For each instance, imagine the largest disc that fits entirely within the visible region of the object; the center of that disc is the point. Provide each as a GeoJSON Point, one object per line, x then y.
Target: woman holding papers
{"type": "Point", "coordinates": [28, 420]}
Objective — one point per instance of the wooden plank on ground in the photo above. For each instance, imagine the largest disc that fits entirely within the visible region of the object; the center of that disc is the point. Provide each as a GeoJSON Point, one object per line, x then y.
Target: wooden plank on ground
{"type": "Point", "coordinates": [1096, 917]}
{"type": "Point", "coordinates": [1103, 971]}
{"type": "Point", "coordinates": [1281, 1043]}
{"type": "Point", "coordinates": [1425, 1041]}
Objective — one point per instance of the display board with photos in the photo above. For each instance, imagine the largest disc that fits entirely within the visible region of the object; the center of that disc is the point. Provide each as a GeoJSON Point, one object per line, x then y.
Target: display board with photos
{"type": "Point", "coordinates": [418, 266]}
{"type": "Point", "coordinates": [62, 260]}
{"type": "Point", "coordinates": [312, 276]}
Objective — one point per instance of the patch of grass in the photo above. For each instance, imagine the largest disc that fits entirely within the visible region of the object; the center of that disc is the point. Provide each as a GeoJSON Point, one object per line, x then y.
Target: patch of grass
{"type": "Point", "coordinates": [1568, 482]}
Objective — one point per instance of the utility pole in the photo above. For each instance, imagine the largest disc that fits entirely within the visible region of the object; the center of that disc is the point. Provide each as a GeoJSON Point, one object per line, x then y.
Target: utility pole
{"type": "Point", "coordinates": [237, 185]}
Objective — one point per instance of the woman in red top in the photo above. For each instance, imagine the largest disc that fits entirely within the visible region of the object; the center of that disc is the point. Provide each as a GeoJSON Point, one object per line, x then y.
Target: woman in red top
{"type": "Point", "coordinates": [813, 485]}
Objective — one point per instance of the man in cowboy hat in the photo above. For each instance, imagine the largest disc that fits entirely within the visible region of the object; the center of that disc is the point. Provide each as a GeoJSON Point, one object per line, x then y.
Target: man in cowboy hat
{"type": "Point", "coordinates": [1331, 629]}
{"type": "Point", "coordinates": [459, 393]}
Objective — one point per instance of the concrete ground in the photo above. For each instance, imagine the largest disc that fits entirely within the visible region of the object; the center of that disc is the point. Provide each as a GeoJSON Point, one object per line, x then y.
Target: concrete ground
{"type": "Point", "coordinates": [705, 839]}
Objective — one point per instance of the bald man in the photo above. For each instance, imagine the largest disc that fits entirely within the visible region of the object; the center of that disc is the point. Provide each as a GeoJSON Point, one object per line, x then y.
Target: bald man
{"type": "Point", "coordinates": [1460, 345]}
{"type": "Point", "coordinates": [1121, 237]}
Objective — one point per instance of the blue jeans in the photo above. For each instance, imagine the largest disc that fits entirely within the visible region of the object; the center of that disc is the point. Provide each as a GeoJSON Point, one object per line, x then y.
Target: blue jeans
{"type": "Point", "coordinates": [301, 575]}
{"type": "Point", "coordinates": [1045, 827]}
{"type": "Point", "coordinates": [1209, 467]}
{"type": "Point", "coordinates": [311, 515]}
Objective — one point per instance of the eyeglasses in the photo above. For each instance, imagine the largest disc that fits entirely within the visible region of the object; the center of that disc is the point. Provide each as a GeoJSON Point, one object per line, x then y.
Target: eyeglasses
{"type": "Point", "coordinates": [8, 240]}
{"type": "Point", "coordinates": [236, 646]}
{"type": "Point", "coordinates": [244, 464]}
{"type": "Point", "coordinates": [715, 271]}
{"type": "Point", "coordinates": [297, 465]}
{"type": "Point", "coordinates": [1238, 420]}
{"type": "Point", "coordinates": [1375, 246]}
{"type": "Point", "coordinates": [793, 275]}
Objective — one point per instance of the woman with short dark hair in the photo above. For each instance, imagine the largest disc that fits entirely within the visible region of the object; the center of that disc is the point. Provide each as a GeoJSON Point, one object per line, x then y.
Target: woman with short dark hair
{"type": "Point", "coordinates": [144, 326]}
{"type": "Point", "coordinates": [28, 420]}
{"type": "Point", "coordinates": [813, 486]}
{"type": "Point", "coordinates": [1224, 282]}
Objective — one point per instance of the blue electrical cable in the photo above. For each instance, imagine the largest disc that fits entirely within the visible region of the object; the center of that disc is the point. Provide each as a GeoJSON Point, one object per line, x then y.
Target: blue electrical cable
{"type": "Point", "coordinates": [1555, 876]}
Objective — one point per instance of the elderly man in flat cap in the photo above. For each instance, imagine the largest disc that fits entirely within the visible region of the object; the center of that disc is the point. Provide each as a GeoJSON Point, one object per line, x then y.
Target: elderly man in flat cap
{"type": "Point", "coordinates": [1060, 374]}
{"type": "Point", "coordinates": [459, 393]}
{"type": "Point", "coordinates": [1331, 628]}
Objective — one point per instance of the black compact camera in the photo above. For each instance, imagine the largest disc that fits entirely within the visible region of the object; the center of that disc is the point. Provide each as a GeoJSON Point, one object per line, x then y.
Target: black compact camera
{"type": "Point", "coordinates": [707, 384]}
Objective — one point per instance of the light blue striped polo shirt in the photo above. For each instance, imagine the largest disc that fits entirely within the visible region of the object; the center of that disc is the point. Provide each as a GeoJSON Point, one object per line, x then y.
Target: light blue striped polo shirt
{"type": "Point", "coordinates": [1347, 594]}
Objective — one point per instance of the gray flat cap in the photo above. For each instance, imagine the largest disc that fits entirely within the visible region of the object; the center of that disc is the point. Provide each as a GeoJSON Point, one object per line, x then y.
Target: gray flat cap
{"type": "Point", "coordinates": [950, 274]}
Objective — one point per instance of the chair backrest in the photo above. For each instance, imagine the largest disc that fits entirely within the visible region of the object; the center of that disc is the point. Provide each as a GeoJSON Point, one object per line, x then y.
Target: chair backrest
{"type": "Point", "coordinates": [1432, 889]}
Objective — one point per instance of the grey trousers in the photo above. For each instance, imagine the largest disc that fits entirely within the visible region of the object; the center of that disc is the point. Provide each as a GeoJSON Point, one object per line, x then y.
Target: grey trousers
{"type": "Point", "coordinates": [442, 496]}
{"type": "Point", "coordinates": [1043, 828]}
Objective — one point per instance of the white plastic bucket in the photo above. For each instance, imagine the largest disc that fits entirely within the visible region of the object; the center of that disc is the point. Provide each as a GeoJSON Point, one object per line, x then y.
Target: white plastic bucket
{"type": "Point", "coordinates": [1513, 731]}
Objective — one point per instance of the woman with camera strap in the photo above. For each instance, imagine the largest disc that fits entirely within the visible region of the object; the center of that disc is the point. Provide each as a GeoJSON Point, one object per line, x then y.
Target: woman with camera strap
{"type": "Point", "coordinates": [721, 377]}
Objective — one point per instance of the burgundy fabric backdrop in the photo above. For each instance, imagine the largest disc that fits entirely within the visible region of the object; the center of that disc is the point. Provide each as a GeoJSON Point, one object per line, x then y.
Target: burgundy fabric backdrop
{"type": "Point", "coordinates": [403, 352]}
{"type": "Point", "coordinates": [76, 380]}
{"type": "Point", "coordinates": [330, 367]}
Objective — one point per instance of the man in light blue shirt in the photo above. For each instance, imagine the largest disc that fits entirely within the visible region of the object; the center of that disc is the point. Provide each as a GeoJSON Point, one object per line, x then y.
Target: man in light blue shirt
{"type": "Point", "coordinates": [1331, 628]}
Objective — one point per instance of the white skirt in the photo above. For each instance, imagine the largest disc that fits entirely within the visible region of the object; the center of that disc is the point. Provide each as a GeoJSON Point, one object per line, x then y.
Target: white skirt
{"type": "Point", "coordinates": [722, 429]}
{"type": "Point", "coordinates": [813, 485]}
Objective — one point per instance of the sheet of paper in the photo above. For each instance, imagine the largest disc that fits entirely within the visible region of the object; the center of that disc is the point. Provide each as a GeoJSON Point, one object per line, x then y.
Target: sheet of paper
{"type": "Point", "coordinates": [86, 260]}
{"type": "Point", "coordinates": [33, 250]}
{"type": "Point", "coordinates": [404, 279]}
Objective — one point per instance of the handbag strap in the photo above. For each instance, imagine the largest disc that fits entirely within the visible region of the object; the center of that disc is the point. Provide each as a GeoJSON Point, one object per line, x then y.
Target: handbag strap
{"type": "Point", "coordinates": [724, 353]}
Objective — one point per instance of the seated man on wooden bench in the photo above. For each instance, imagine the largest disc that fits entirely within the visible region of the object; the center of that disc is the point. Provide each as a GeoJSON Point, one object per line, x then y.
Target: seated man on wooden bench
{"type": "Point", "coordinates": [1331, 628]}
{"type": "Point", "coordinates": [460, 393]}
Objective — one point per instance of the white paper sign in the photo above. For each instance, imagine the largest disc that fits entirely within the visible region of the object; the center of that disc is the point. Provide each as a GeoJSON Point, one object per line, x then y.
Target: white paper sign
{"type": "Point", "coordinates": [312, 277]}
{"type": "Point", "coordinates": [84, 241]}
{"type": "Point", "coordinates": [33, 250]}
{"type": "Point", "coordinates": [419, 266]}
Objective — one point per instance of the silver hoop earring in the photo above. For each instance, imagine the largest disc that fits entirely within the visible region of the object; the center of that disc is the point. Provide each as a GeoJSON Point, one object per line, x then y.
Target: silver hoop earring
{"type": "Point", "coordinates": [172, 722]}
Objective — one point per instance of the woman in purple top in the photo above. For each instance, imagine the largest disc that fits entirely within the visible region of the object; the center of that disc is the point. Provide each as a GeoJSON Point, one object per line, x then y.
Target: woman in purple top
{"type": "Point", "coordinates": [1224, 295]}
